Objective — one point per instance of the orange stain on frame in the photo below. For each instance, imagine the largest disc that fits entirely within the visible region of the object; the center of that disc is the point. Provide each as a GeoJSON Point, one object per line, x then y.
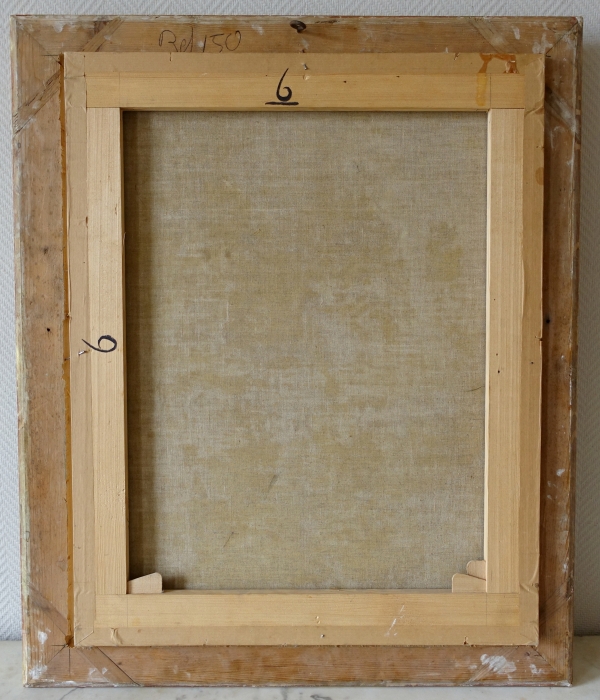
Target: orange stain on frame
{"type": "Point", "coordinates": [482, 79]}
{"type": "Point", "coordinates": [482, 85]}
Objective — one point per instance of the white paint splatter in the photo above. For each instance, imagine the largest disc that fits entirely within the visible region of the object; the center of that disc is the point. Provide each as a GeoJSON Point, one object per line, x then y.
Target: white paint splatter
{"type": "Point", "coordinates": [517, 32]}
{"type": "Point", "coordinates": [535, 670]}
{"type": "Point", "coordinates": [498, 664]}
{"type": "Point", "coordinates": [258, 28]}
{"type": "Point", "coordinates": [42, 637]}
{"type": "Point", "coordinates": [391, 627]}
{"type": "Point", "coordinates": [560, 472]}
{"type": "Point", "coordinates": [541, 46]}
{"type": "Point", "coordinates": [58, 27]}
{"type": "Point", "coordinates": [37, 671]}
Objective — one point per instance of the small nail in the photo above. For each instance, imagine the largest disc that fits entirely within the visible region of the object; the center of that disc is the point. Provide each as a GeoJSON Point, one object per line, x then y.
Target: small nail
{"type": "Point", "coordinates": [297, 25]}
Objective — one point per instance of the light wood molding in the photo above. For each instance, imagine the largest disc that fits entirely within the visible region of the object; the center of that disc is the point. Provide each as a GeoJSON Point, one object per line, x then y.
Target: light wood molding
{"type": "Point", "coordinates": [104, 349]}
{"type": "Point", "coordinates": [530, 432]}
{"type": "Point", "coordinates": [375, 82]}
{"type": "Point", "coordinates": [80, 369]}
{"type": "Point", "coordinates": [504, 338]}
{"type": "Point", "coordinates": [316, 617]}
{"type": "Point", "coordinates": [309, 92]}
{"type": "Point", "coordinates": [323, 63]}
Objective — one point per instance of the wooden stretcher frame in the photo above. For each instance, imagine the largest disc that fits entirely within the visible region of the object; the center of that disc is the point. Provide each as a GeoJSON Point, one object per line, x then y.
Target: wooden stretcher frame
{"type": "Point", "coordinates": [513, 121]}
{"type": "Point", "coordinates": [499, 605]}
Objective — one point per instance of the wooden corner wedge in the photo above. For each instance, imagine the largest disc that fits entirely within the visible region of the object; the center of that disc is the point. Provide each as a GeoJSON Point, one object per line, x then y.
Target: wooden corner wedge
{"type": "Point", "coordinates": [152, 583]}
{"type": "Point", "coordinates": [477, 569]}
{"type": "Point", "coordinates": [462, 583]}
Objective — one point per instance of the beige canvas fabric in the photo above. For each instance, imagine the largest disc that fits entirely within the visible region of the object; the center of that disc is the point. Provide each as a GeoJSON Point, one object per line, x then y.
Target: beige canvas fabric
{"type": "Point", "coordinates": [305, 347]}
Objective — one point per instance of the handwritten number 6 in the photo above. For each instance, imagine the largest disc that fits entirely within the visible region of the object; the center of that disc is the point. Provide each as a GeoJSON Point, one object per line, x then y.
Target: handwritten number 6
{"type": "Point", "coordinates": [100, 339]}
{"type": "Point", "coordinates": [281, 97]}
{"type": "Point", "coordinates": [284, 99]}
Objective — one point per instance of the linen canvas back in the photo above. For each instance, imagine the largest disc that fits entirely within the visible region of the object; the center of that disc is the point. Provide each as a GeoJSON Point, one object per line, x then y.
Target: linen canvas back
{"type": "Point", "coordinates": [305, 305]}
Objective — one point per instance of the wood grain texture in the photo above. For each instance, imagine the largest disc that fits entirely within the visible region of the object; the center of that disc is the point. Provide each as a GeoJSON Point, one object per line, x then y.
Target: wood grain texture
{"type": "Point", "coordinates": [531, 349]}
{"type": "Point", "coordinates": [309, 618]}
{"type": "Point", "coordinates": [40, 81]}
{"type": "Point", "coordinates": [80, 376]}
{"type": "Point", "coordinates": [562, 151]}
{"type": "Point", "coordinates": [336, 666]}
{"type": "Point", "coordinates": [504, 336]}
{"type": "Point", "coordinates": [322, 92]}
{"type": "Point", "coordinates": [379, 82]}
{"type": "Point", "coordinates": [323, 34]}
{"type": "Point", "coordinates": [305, 637]}
{"type": "Point", "coordinates": [465, 583]}
{"type": "Point", "coordinates": [43, 460]}
{"type": "Point", "coordinates": [152, 583]}
{"type": "Point", "coordinates": [42, 361]}
{"type": "Point", "coordinates": [270, 64]}
{"type": "Point", "coordinates": [107, 363]}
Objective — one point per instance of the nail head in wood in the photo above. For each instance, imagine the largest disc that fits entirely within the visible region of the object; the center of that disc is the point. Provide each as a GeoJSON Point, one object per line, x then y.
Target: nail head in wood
{"type": "Point", "coordinates": [298, 25]}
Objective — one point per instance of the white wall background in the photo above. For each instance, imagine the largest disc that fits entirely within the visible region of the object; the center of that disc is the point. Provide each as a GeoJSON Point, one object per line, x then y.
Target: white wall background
{"type": "Point", "coordinates": [587, 566]}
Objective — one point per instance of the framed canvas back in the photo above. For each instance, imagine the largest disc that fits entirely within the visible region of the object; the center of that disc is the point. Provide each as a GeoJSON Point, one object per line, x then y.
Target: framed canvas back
{"type": "Point", "coordinates": [102, 620]}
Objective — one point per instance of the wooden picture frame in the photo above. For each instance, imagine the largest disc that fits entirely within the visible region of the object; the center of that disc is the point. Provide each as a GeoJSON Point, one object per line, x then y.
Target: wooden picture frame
{"type": "Point", "coordinates": [100, 612]}
{"type": "Point", "coordinates": [499, 604]}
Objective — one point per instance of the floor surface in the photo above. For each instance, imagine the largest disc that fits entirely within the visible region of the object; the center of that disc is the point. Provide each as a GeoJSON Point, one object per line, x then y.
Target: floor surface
{"type": "Point", "coordinates": [586, 686]}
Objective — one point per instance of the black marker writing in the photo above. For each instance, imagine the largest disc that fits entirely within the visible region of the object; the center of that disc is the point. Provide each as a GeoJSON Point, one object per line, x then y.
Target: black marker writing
{"type": "Point", "coordinates": [186, 45]}
{"type": "Point", "coordinates": [284, 100]}
{"type": "Point", "coordinates": [100, 339]}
